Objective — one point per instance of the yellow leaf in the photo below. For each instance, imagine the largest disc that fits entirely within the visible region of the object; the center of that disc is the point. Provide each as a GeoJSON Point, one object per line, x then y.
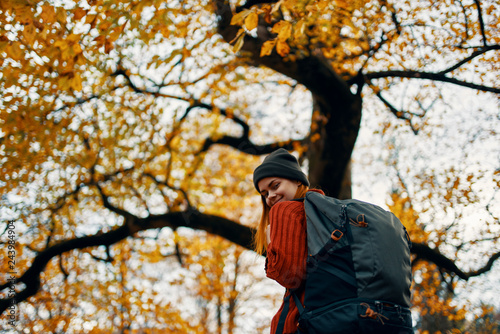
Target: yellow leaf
{"type": "Point", "coordinates": [90, 18]}
{"type": "Point", "coordinates": [108, 46]}
{"type": "Point", "coordinates": [113, 36]}
{"type": "Point", "coordinates": [322, 5]}
{"type": "Point", "coordinates": [104, 25]}
{"type": "Point", "coordinates": [76, 82]}
{"type": "Point", "coordinates": [276, 6]}
{"type": "Point", "coordinates": [79, 13]}
{"type": "Point", "coordinates": [29, 33]}
{"type": "Point", "coordinates": [77, 48]}
{"type": "Point", "coordinates": [240, 32]}
{"type": "Point", "coordinates": [299, 29]}
{"type": "Point", "coordinates": [282, 48]}
{"type": "Point", "coordinates": [61, 15]}
{"type": "Point", "coordinates": [14, 51]}
{"type": "Point", "coordinates": [267, 48]}
{"type": "Point", "coordinates": [239, 43]}
{"type": "Point", "coordinates": [239, 18]}
{"type": "Point", "coordinates": [73, 37]}
{"type": "Point", "coordinates": [64, 82]}
{"type": "Point", "coordinates": [283, 29]}
{"type": "Point", "coordinates": [61, 44]}
{"type": "Point", "coordinates": [251, 21]}
{"type": "Point", "coordinates": [23, 13]}
{"type": "Point", "coordinates": [100, 40]}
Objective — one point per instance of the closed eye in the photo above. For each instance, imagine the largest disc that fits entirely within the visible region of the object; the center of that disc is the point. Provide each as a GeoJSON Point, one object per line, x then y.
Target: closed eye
{"type": "Point", "coordinates": [274, 184]}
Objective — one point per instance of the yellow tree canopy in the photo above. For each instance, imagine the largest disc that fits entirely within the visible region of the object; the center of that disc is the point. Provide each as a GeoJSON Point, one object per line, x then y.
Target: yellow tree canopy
{"type": "Point", "coordinates": [129, 121]}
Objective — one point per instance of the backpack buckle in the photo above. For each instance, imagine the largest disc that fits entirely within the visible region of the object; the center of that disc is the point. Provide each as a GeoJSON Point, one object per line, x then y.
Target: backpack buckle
{"type": "Point", "coordinates": [337, 235]}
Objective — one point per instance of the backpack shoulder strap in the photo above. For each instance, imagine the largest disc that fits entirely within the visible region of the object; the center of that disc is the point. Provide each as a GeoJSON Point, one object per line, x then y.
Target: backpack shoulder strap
{"type": "Point", "coordinates": [284, 313]}
{"type": "Point", "coordinates": [297, 301]}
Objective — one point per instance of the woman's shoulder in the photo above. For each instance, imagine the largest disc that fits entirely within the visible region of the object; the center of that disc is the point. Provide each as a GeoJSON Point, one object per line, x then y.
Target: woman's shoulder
{"type": "Point", "coordinates": [287, 206]}
{"type": "Point", "coordinates": [293, 205]}
{"type": "Point", "coordinates": [317, 191]}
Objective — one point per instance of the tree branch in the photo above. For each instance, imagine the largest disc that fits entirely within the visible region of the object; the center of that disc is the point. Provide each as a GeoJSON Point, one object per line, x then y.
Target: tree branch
{"type": "Point", "coordinates": [138, 90]}
{"type": "Point", "coordinates": [430, 76]}
{"type": "Point", "coordinates": [481, 22]}
{"type": "Point", "coordinates": [31, 277]}
{"type": "Point", "coordinates": [399, 114]}
{"type": "Point", "coordinates": [424, 252]}
{"type": "Point", "coordinates": [475, 54]}
{"type": "Point", "coordinates": [191, 218]}
{"type": "Point", "coordinates": [250, 3]}
{"type": "Point", "coordinates": [61, 266]}
{"type": "Point", "coordinates": [242, 143]}
{"type": "Point", "coordinates": [111, 207]}
{"type": "Point", "coordinates": [487, 267]}
{"type": "Point", "coordinates": [239, 234]}
{"type": "Point", "coordinates": [70, 105]}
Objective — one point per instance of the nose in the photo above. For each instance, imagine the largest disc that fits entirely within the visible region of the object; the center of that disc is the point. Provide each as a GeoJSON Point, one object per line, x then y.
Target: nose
{"type": "Point", "coordinates": [271, 194]}
{"type": "Point", "coordinates": [270, 198]}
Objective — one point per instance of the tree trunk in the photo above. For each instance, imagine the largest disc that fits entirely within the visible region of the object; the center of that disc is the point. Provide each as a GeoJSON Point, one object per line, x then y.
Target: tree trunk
{"type": "Point", "coordinates": [336, 113]}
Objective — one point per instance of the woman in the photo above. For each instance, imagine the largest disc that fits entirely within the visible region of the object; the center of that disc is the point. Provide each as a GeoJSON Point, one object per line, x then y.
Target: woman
{"type": "Point", "coordinates": [281, 233]}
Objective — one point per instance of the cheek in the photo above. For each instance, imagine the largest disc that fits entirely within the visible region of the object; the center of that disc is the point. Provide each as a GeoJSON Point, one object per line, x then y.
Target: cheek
{"type": "Point", "coordinates": [292, 191]}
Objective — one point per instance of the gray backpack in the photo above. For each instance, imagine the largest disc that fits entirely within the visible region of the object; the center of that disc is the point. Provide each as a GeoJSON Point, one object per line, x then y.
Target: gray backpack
{"type": "Point", "coordinates": [358, 270]}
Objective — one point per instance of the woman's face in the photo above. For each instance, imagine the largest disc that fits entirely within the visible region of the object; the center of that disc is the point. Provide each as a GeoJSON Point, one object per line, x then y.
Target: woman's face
{"type": "Point", "coordinates": [277, 189]}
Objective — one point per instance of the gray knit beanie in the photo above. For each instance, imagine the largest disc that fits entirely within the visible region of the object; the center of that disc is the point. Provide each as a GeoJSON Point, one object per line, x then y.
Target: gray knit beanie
{"type": "Point", "coordinates": [280, 163]}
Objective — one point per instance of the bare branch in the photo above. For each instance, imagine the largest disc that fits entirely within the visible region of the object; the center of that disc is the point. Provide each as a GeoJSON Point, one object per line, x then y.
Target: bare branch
{"type": "Point", "coordinates": [70, 105]}
{"type": "Point", "coordinates": [136, 89]}
{"type": "Point", "coordinates": [399, 114]}
{"type": "Point", "coordinates": [430, 76]}
{"type": "Point", "coordinates": [31, 277]}
{"type": "Point", "coordinates": [243, 143]}
{"type": "Point", "coordinates": [481, 22]}
{"type": "Point", "coordinates": [178, 254]}
{"type": "Point", "coordinates": [472, 56]}
{"type": "Point", "coordinates": [487, 267]}
{"type": "Point", "coordinates": [466, 23]}
{"type": "Point", "coordinates": [108, 258]}
{"type": "Point", "coordinates": [61, 266]}
{"type": "Point", "coordinates": [216, 225]}
{"type": "Point", "coordinates": [111, 207]}
{"type": "Point", "coordinates": [223, 227]}
{"type": "Point", "coordinates": [165, 184]}
{"type": "Point", "coordinates": [251, 3]}
{"type": "Point", "coordinates": [424, 252]}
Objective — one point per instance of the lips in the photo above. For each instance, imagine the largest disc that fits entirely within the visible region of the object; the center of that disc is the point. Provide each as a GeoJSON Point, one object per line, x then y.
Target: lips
{"type": "Point", "coordinates": [277, 201]}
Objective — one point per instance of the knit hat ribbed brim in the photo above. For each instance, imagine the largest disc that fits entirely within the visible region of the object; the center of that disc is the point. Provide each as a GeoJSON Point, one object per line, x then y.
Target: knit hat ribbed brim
{"type": "Point", "coordinates": [280, 163]}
